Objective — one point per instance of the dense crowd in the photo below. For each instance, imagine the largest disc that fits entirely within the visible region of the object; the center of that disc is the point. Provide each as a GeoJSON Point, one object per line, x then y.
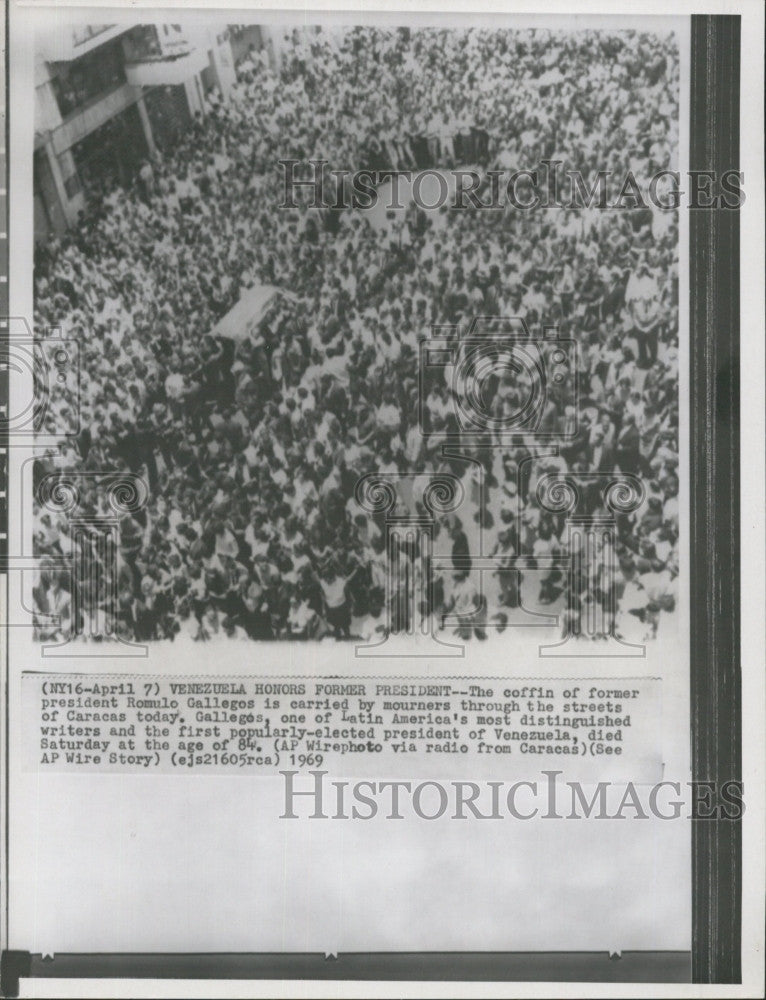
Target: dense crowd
{"type": "Point", "coordinates": [252, 449]}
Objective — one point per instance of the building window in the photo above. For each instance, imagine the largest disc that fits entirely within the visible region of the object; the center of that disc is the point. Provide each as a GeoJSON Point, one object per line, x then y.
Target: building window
{"type": "Point", "coordinates": [84, 32]}
{"type": "Point", "coordinates": [72, 186]}
{"type": "Point", "coordinates": [112, 153]}
{"type": "Point", "coordinates": [88, 78]}
{"type": "Point", "coordinates": [168, 110]}
{"type": "Point", "coordinates": [142, 43]}
{"type": "Point", "coordinates": [147, 42]}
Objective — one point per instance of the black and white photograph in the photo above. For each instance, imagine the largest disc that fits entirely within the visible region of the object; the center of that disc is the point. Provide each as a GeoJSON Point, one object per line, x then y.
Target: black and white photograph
{"type": "Point", "coordinates": [254, 353]}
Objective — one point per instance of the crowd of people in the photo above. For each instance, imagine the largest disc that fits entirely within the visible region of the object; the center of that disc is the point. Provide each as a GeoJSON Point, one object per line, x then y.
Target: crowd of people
{"type": "Point", "coordinates": [252, 448]}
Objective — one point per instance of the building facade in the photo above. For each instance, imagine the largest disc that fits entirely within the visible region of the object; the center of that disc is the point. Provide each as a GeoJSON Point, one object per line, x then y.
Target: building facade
{"type": "Point", "coordinates": [109, 96]}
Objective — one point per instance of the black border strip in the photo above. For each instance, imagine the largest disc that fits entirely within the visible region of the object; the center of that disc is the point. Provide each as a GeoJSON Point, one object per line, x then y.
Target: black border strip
{"type": "Point", "coordinates": [716, 698]}
{"type": "Point", "coordinates": [715, 654]}
{"type": "Point", "coordinates": [562, 967]}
